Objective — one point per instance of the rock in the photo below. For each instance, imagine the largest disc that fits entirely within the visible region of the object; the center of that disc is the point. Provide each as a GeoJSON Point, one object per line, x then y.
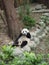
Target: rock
{"type": "Point", "coordinates": [40, 31]}
{"type": "Point", "coordinates": [46, 14]}
{"type": "Point", "coordinates": [32, 38]}
{"type": "Point", "coordinates": [36, 39]}
{"type": "Point", "coordinates": [47, 21]}
{"type": "Point", "coordinates": [42, 47]}
{"type": "Point", "coordinates": [32, 44]}
{"type": "Point", "coordinates": [42, 24]}
{"type": "Point", "coordinates": [26, 48]}
{"type": "Point", "coordinates": [47, 28]}
{"type": "Point", "coordinates": [33, 34]}
{"type": "Point", "coordinates": [43, 17]}
{"type": "Point", "coordinates": [45, 31]}
{"type": "Point", "coordinates": [41, 36]}
{"type": "Point", "coordinates": [44, 7]}
{"type": "Point", "coordinates": [38, 7]}
{"type": "Point", "coordinates": [37, 31]}
{"type": "Point", "coordinates": [37, 25]}
{"type": "Point", "coordinates": [17, 51]}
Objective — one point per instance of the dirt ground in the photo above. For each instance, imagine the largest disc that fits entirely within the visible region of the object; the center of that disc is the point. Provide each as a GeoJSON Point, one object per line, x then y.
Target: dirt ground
{"type": "Point", "coordinates": [43, 47]}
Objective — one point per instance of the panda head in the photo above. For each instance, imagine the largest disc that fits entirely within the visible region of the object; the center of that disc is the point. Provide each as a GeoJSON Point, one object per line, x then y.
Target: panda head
{"type": "Point", "coordinates": [26, 33]}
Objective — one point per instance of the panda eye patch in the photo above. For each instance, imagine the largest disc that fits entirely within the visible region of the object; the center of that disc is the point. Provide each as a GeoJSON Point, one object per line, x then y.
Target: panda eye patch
{"type": "Point", "coordinates": [23, 31]}
{"type": "Point", "coordinates": [26, 31]}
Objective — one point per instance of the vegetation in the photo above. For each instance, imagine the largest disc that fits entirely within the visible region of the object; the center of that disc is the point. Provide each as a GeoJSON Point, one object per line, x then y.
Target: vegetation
{"type": "Point", "coordinates": [45, 19]}
{"type": "Point", "coordinates": [24, 13]}
{"type": "Point", "coordinates": [7, 58]}
{"type": "Point", "coordinates": [24, 10]}
{"type": "Point", "coordinates": [28, 21]}
{"type": "Point", "coordinates": [14, 27]}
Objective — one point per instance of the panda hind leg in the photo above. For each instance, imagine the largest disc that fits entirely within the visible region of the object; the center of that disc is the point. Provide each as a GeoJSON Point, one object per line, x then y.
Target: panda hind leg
{"type": "Point", "coordinates": [24, 43]}
{"type": "Point", "coordinates": [15, 44]}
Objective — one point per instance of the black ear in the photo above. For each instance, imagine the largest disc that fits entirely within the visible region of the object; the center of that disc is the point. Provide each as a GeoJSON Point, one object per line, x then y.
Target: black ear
{"type": "Point", "coordinates": [28, 35]}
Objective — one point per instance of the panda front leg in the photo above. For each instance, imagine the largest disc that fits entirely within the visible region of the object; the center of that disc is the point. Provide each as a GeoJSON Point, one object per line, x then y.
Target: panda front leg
{"type": "Point", "coordinates": [16, 43]}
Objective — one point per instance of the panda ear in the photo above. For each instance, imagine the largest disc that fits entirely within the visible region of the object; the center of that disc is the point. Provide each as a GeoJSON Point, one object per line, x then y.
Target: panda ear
{"type": "Point", "coordinates": [28, 35]}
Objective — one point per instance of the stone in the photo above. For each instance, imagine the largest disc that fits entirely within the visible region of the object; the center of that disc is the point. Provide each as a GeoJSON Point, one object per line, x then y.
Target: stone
{"type": "Point", "coordinates": [45, 31]}
{"type": "Point", "coordinates": [47, 28]}
{"type": "Point", "coordinates": [46, 14]}
{"type": "Point", "coordinates": [37, 31]}
{"type": "Point", "coordinates": [17, 51]}
{"type": "Point", "coordinates": [38, 26]}
{"type": "Point", "coordinates": [26, 48]}
{"type": "Point", "coordinates": [33, 34]}
{"type": "Point", "coordinates": [44, 7]}
{"type": "Point", "coordinates": [36, 40]}
{"type": "Point", "coordinates": [32, 44]}
{"type": "Point", "coordinates": [47, 21]}
{"type": "Point", "coordinates": [38, 7]}
{"type": "Point", "coordinates": [43, 17]}
{"type": "Point", "coordinates": [42, 47]}
{"type": "Point", "coordinates": [41, 36]}
{"type": "Point", "coordinates": [42, 24]}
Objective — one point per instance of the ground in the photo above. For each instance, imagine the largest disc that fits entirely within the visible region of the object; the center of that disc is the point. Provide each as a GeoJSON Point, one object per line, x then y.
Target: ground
{"type": "Point", "coordinates": [43, 47]}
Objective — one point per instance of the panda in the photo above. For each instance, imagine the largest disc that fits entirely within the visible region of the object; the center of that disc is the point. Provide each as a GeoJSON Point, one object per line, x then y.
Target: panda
{"type": "Point", "coordinates": [23, 39]}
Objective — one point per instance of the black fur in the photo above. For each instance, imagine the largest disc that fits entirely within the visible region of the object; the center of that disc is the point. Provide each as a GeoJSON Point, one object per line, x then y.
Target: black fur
{"type": "Point", "coordinates": [28, 35]}
{"type": "Point", "coordinates": [24, 43]}
{"type": "Point", "coordinates": [16, 43]}
{"type": "Point", "coordinates": [18, 37]}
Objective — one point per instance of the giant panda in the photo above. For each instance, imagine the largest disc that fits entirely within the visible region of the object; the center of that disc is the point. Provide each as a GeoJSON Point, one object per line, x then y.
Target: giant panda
{"type": "Point", "coordinates": [23, 39]}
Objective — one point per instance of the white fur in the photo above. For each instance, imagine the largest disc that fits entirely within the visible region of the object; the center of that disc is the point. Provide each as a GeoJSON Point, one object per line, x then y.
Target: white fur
{"type": "Point", "coordinates": [24, 31]}
{"type": "Point", "coordinates": [23, 38]}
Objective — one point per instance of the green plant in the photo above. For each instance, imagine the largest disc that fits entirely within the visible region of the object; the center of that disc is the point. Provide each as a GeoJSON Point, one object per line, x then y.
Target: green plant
{"type": "Point", "coordinates": [45, 19]}
{"type": "Point", "coordinates": [24, 10]}
{"type": "Point", "coordinates": [24, 15]}
{"type": "Point", "coordinates": [20, 12]}
{"type": "Point", "coordinates": [6, 54]}
{"type": "Point", "coordinates": [27, 9]}
{"type": "Point", "coordinates": [6, 58]}
{"type": "Point", "coordinates": [28, 21]}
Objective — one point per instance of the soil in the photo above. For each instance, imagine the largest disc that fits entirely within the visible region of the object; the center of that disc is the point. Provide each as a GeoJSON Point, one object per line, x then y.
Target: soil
{"type": "Point", "coordinates": [43, 47]}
